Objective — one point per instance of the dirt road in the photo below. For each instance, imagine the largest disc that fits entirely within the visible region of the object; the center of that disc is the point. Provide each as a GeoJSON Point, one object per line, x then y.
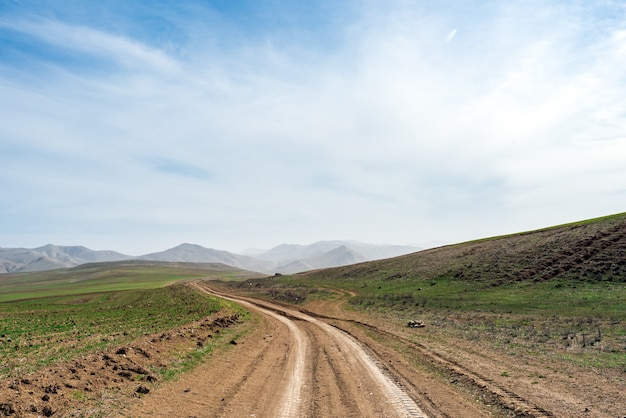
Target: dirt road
{"type": "Point", "coordinates": [294, 365]}
{"type": "Point", "coordinates": [320, 360]}
{"type": "Point", "coordinates": [316, 360]}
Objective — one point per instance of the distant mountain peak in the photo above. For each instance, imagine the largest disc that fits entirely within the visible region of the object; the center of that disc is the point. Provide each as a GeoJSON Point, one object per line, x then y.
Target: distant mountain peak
{"type": "Point", "coordinates": [50, 256]}
{"type": "Point", "coordinates": [322, 254]}
{"type": "Point", "coordinates": [187, 244]}
{"type": "Point", "coordinates": [284, 258]}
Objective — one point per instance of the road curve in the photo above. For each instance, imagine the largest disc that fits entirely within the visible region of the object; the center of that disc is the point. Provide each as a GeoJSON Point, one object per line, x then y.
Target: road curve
{"type": "Point", "coordinates": [327, 372]}
{"type": "Point", "coordinates": [291, 399]}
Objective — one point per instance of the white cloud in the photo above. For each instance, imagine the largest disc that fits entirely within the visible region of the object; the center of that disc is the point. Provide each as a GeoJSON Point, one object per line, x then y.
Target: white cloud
{"type": "Point", "coordinates": [396, 134]}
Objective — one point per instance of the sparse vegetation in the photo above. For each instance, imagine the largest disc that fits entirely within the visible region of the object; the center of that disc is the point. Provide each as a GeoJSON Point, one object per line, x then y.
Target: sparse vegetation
{"type": "Point", "coordinates": [561, 289]}
{"type": "Point", "coordinates": [40, 332]}
{"type": "Point", "coordinates": [557, 294]}
{"type": "Point", "coordinates": [57, 315]}
{"type": "Point", "coordinates": [103, 341]}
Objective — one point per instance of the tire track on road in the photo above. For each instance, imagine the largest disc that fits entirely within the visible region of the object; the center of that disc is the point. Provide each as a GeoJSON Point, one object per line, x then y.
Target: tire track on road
{"type": "Point", "coordinates": [383, 395]}
{"type": "Point", "coordinates": [291, 399]}
{"type": "Point", "coordinates": [404, 405]}
{"type": "Point", "coordinates": [505, 397]}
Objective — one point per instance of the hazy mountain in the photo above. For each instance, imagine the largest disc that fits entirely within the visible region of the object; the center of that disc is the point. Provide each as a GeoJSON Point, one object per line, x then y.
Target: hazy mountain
{"type": "Point", "coordinates": [85, 254]}
{"type": "Point", "coordinates": [285, 258]}
{"type": "Point", "coordinates": [339, 256]}
{"type": "Point", "coordinates": [293, 258]}
{"type": "Point", "coordinates": [253, 252]}
{"type": "Point", "coordinates": [283, 253]}
{"type": "Point", "coordinates": [51, 257]}
{"type": "Point", "coordinates": [193, 253]}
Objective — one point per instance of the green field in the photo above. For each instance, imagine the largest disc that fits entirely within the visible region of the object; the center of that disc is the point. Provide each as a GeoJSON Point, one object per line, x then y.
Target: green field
{"type": "Point", "coordinates": [53, 316]}
{"type": "Point", "coordinates": [107, 277]}
{"type": "Point", "coordinates": [39, 332]}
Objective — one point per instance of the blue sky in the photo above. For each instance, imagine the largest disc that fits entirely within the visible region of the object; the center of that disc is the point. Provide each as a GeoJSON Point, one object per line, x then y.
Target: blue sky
{"type": "Point", "coordinates": [136, 126]}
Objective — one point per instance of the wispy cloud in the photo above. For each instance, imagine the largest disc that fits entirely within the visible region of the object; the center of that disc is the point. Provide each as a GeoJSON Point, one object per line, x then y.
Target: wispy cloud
{"type": "Point", "coordinates": [91, 42]}
{"type": "Point", "coordinates": [451, 35]}
{"type": "Point", "coordinates": [169, 166]}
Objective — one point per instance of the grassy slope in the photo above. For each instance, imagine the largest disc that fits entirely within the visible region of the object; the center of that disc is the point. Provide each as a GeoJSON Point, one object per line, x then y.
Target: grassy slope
{"type": "Point", "coordinates": [577, 269]}
{"type": "Point", "coordinates": [52, 316]}
{"type": "Point", "coordinates": [563, 287]}
{"type": "Point", "coordinates": [107, 277]}
{"type": "Point", "coordinates": [48, 330]}
{"type": "Point", "coordinates": [591, 250]}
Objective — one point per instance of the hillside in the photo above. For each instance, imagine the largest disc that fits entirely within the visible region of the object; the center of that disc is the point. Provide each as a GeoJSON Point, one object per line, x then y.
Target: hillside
{"type": "Point", "coordinates": [593, 250]}
{"type": "Point", "coordinates": [534, 317]}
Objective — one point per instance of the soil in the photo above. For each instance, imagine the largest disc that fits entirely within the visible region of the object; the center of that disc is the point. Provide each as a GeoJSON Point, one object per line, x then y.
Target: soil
{"type": "Point", "coordinates": [318, 361]}
{"type": "Point", "coordinates": [508, 383]}
{"type": "Point", "coordinates": [98, 383]}
{"type": "Point", "coordinates": [590, 252]}
{"type": "Point", "coordinates": [297, 364]}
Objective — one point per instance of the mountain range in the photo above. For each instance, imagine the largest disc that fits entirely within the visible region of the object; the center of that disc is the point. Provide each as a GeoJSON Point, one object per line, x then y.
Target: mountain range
{"type": "Point", "coordinates": [285, 258]}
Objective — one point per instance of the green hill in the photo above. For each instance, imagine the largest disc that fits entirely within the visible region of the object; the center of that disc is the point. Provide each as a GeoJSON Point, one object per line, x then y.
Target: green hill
{"type": "Point", "coordinates": [591, 251]}
{"type": "Point", "coordinates": [575, 269]}
{"type": "Point", "coordinates": [559, 292]}
{"type": "Point", "coordinates": [109, 276]}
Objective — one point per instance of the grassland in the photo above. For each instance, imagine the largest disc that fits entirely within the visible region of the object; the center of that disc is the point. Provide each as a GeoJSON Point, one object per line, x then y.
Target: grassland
{"type": "Point", "coordinates": [108, 277]}
{"type": "Point", "coordinates": [40, 332]}
{"type": "Point", "coordinates": [54, 316]}
{"type": "Point", "coordinates": [549, 301]}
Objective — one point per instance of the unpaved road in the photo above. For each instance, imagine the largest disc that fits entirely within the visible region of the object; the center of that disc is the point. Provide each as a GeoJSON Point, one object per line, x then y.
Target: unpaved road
{"type": "Point", "coordinates": [320, 363]}
{"type": "Point", "coordinates": [317, 360]}
{"type": "Point", "coordinates": [294, 365]}
{"type": "Point", "coordinates": [316, 346]}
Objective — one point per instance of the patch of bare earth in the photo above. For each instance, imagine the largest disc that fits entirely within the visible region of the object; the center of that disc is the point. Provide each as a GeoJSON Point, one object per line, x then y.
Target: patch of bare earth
{"type": "Point", "coordinates": [101, 383]}
{"type": "Point", "coordinates": [239, 381]}
{"type": "Point", "coordinates": [515, 382]}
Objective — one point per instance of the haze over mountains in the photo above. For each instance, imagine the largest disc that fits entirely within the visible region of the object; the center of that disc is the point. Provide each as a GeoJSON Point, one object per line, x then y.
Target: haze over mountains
{"type": "Point", "coordinates": [286, 258]}
{"type": "Point", "coordinates": [51, 257]}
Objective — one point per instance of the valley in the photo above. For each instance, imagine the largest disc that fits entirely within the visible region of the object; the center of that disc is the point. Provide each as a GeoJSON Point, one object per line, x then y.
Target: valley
{"type": "Point", "coordinates": [524, 325]}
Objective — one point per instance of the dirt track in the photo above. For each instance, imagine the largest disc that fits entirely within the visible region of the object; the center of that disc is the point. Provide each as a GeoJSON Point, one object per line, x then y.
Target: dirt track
{"type": "Point", "coordinates": [293, 365]}
{"type": "Point", "coordinates": [323, 362]}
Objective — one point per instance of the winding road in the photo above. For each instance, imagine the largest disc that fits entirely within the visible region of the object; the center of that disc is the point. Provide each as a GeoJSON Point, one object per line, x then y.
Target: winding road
{"type": "Point", "coordinates": [326, 371]}
{"type": "Point", "coordinates": [291, 365]}
{"type": "Point", "coordinates": [297, 363]}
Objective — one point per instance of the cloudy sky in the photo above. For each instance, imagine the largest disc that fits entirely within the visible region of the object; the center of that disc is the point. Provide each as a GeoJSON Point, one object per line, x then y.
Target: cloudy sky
{"type": "Point", "coordinates": [136, 126]}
